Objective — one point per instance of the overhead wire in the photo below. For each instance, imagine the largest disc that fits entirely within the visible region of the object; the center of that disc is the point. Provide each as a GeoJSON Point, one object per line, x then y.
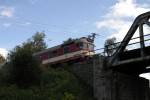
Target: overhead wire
{"type": "Point", "coordinates": [48, 28]}
{"type": "Point", "coordinates": [43, 26]}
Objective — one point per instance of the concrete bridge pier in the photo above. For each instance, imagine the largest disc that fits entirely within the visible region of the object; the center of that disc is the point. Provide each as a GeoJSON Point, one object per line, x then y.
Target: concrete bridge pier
{"type": "Point", "coordinates": [112, 85]}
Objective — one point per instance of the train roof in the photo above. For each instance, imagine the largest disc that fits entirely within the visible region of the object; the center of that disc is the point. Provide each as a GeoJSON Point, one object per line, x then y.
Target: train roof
{"type": "Point", "coordinates": [84, 39]}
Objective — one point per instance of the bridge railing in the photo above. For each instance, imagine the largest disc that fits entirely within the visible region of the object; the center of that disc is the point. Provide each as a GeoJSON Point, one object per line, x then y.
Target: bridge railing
{"type": "Point", "coordinates": [110, 49]}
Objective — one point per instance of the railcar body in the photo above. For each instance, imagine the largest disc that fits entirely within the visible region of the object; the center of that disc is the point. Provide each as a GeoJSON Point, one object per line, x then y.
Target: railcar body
{"type": "Point", "coordinates": [66, 52]}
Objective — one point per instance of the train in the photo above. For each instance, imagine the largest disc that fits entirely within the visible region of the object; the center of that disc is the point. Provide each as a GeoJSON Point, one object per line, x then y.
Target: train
{"type": "Point", "coordinates": [71, 51]}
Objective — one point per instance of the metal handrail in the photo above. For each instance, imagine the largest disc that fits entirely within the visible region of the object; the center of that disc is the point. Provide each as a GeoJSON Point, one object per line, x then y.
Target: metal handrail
{"type": "Point", "coordinates": [121, 46]}
{"type": "Point", "coordinates": [131, 39]}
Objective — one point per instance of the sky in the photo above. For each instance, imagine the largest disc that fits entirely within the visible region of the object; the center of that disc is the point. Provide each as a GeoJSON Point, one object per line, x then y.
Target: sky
{"type": "Point", "coordinates": [63, 19]}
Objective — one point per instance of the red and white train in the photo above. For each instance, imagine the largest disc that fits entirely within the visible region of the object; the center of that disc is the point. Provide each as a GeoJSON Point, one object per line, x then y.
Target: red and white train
{"type": "Point", "coordinates": [70, 51]}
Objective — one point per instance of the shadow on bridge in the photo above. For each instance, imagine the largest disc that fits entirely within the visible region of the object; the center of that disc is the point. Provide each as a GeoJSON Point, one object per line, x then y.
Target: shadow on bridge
{"type": "Point", "coordinates": [131, 62]}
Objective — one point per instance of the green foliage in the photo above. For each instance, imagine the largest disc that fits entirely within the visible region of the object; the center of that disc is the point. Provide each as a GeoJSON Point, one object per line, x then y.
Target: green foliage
{"type": "Point", "coordinates": [36, 43]}
{"type": "Point", "coordinates": [110, 46]}
{"type": "Point", "coordinates": [56, 84]}
{"type": "Point", "coordinates": [68, 96]}
{"type": "Point", "coordinates": [15, 93]}
{"type": "Point", "coordinates": [61, 85]}
{"type": "Point", "coordinates": [25, 70]}
{"type": "Point", "coordinates": [2, 59]}
{"type": "Point", "coordinates": [4, 74]}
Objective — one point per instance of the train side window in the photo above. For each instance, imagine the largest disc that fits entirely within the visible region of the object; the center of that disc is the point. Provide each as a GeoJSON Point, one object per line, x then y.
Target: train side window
{"type": "Point", "coordinates": [50, 55]}
{"type": "Point", "coordinates": [77, 46]}
{"type": "Point", "coordinates": [54, 53]}
{"type": "Point", "coordinates": [66, 50]}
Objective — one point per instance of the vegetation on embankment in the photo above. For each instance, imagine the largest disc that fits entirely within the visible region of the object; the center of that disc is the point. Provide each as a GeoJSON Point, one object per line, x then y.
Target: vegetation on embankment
{"type": "Point", "coordinates": [55, 84]}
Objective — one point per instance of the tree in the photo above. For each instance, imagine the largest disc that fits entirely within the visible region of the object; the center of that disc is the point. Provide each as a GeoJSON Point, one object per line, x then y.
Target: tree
{"type": "Point", "coordinates": [36, 42]}
{"type": "Point", "coordinates": [2, 59]}
{"type": "Point", "coordinates": [110, 46]}
{"type": "Point", "coordinates": [25, 70]}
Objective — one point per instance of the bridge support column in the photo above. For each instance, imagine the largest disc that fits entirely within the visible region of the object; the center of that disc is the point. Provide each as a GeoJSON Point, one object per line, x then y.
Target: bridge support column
{"type": "Point", "coordinates": [112, 85]}
{"type": "Point", "coordinates": [141, 39]}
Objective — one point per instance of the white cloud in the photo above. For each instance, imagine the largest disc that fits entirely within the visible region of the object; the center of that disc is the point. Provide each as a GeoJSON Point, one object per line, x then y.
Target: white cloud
{"type": "Point", "coordinates": [6, 11]}
{"type": "Point", "coordinates": [6, 24]}
{"type": "Point", "coordinates": [120, 17]}
{"type": "Point", "coordinates": [127, 8]}
{"type": "Point", "coordinates": [4, 52]}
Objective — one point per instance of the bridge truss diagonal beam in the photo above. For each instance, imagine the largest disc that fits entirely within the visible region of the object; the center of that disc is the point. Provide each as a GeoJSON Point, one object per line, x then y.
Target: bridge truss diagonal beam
{"type": "Point", "coordinates": [146, 22]}
{"type": "Point", "coordinates": [138, 22]}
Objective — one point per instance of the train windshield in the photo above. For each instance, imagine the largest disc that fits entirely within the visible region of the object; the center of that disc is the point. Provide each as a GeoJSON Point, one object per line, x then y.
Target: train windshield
{"type": "Point", "coordinates": [82, 46]}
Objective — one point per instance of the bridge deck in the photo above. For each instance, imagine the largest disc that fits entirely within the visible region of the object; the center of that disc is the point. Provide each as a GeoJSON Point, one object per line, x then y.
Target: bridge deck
{"type": "Point", "coordinates": [131, 62]}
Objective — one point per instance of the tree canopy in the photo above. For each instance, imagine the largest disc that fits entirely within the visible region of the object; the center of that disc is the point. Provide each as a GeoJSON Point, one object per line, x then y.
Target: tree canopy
{"type": "Point", "coordinates": [25, 70]}
{"type": "Point", "coordinates": [110, 46]}
{"type": "Point", "coordinates": [36, 42]}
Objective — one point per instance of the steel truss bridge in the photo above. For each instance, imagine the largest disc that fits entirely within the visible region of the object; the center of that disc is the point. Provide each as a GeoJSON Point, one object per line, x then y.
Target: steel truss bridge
{"type": "Point", "coordinates": [137, 60]}
{"type": "Point", "coordinates": [134, 61]}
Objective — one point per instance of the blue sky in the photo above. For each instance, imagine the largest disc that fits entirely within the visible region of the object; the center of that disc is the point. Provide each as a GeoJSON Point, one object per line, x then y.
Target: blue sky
{"type": "Point", "coordinates": [62, 19]}
{"type": "Point", "coordinates": [20, 19]}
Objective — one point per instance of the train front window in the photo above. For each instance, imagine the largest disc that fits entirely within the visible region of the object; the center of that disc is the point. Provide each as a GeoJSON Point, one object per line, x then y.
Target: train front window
{"type": "Point", "coordinates": [82, 46]}
{"type": "Point", "coordinates": [85, 46]}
